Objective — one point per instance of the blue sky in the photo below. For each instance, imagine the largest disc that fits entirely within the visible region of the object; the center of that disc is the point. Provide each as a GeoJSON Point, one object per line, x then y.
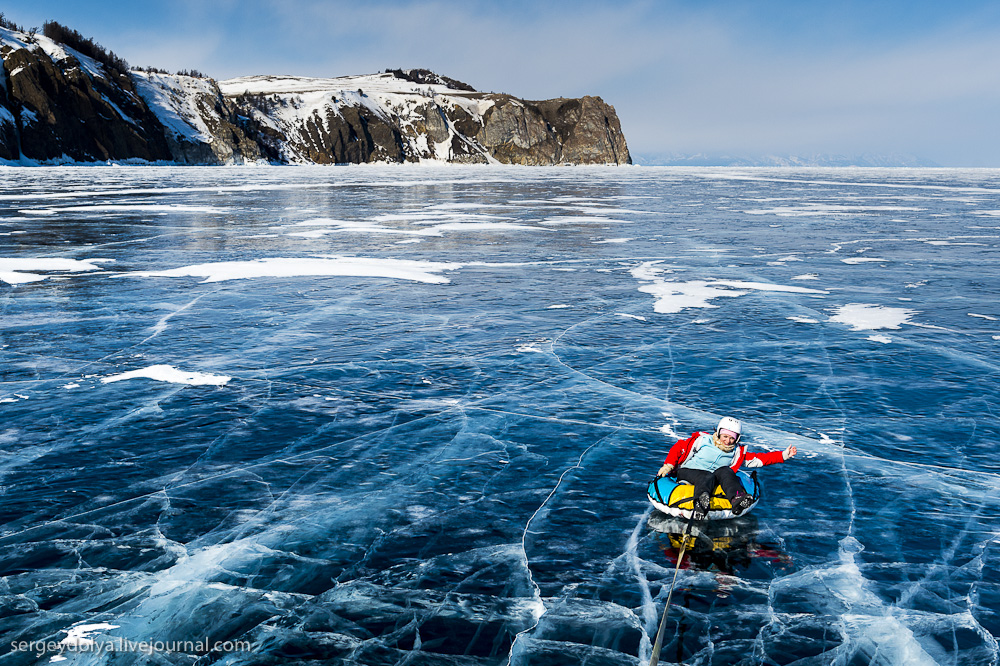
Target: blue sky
{"type": "Point", "coordinates": [748, 78]}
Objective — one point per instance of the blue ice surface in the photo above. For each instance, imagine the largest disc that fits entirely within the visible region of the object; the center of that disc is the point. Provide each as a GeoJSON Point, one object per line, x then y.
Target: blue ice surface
{"type": "Point", "coordinates": [448, 466]}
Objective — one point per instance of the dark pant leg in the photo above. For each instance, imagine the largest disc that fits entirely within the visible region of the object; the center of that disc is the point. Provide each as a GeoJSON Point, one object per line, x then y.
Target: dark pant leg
{"type": "Point", "coordinates": [731, 485]}
{"type": "Point", "coordinates": [704, 482]}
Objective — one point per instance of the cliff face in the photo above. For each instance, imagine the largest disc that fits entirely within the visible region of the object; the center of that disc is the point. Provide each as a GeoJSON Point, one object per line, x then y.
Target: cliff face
{"type": "Point", "coordinates": [567, 131]}
{"type": "Point", "coordinates": [59, 106]}
{"type": "Point", "coordinates": [418, 116]}
{"type": "Point", "coordinates": [199, 125]}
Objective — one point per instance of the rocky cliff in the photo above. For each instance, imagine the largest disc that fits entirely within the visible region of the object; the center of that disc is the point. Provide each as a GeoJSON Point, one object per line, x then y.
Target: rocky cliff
{"type": "Point", "coordinates": [417, 116]}
{"type": "Point", "coordinates": [59, 106]}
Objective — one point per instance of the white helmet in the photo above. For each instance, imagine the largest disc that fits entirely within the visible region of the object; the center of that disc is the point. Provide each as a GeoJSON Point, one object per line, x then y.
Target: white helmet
{"type": "Point", "coordinates": [729, 423]}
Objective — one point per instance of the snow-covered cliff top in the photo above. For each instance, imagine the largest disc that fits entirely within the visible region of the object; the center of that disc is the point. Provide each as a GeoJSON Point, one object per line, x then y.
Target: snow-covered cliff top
{"type": "Point", "coordinates": [175, 101]}
{"type": "Point", "coordinates": [369, 83]}
{"type": "Point", "coordinates": [384, 94]}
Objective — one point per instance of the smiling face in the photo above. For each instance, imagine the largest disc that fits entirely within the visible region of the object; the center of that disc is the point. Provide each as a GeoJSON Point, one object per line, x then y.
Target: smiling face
{"type": "Point", "coordinates": [725, 440]}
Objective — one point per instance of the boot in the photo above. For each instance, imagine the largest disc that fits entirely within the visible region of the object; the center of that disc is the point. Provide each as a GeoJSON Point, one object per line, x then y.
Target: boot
{"type": "Point", "coordinates": [741, 503]}
{"type": "Point", "coordinates": [701, 505]}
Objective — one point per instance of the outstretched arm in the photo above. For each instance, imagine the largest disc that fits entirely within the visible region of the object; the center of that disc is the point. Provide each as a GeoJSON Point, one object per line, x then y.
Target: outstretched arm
{"type": "Point", "coordinates": [768, 457]}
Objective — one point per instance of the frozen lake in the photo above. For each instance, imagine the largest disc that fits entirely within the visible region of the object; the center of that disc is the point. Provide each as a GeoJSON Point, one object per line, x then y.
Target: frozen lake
{"type": "Point", "coordinates": [407, 415]}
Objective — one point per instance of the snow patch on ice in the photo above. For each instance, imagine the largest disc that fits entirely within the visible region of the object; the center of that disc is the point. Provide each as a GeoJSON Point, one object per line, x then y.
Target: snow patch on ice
{"type": "Point", "coordinates": [323, 266]}
{"type": "Point", "coordinates": [107, 209]}
{"type": "Point", "coordinates": [170, 374]}
{"type": "Point", "coordinates": [669, 429]}
{"type": "Point", "coordinates": [15, 270]}
{"type": "Point", "coordinates": [868, 317]}
{"type": "Point", "coordinates": [672, 297]}
{"type": "Point", "coordinates": [862, 260]}
{"type": "Point", "coordinates": [79, 636]}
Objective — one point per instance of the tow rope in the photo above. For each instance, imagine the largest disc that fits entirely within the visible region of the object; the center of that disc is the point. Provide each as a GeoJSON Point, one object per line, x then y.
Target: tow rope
{"type": "Point", "coordinates": [654, 659]}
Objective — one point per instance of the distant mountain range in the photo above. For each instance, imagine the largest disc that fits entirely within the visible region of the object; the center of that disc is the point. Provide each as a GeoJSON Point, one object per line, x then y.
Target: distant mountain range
{"type": "Point", "coordinates": [818, 160]}
{"type": "Point", "coordinates": [65, 105]}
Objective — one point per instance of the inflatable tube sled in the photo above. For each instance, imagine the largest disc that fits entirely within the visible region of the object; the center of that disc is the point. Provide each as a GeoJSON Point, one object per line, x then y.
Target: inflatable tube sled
{"type": "Point", "coordinates": [676, 498]}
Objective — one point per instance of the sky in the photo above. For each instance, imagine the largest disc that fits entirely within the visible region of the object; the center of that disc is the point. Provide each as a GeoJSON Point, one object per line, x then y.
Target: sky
{"type": "Point", "coordinates": [912, 78]}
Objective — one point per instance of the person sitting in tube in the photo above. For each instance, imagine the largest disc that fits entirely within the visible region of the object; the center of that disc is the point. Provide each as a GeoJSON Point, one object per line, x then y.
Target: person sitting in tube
{"type": "Point", "coordinates": [709, 459]}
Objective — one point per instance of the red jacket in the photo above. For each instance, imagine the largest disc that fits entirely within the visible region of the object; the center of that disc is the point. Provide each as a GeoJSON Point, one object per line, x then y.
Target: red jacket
{"type": "Point", "coordinates": [680, 452]}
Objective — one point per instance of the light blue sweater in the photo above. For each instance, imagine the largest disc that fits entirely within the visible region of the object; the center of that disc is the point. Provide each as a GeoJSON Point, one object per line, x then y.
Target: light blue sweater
{"type": "Point", "coordinates": [708, 457]}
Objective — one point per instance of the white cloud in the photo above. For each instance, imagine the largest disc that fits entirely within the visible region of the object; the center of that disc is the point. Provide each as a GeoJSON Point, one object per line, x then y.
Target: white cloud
{"type": "Point", "coordinates": [936, 97]}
